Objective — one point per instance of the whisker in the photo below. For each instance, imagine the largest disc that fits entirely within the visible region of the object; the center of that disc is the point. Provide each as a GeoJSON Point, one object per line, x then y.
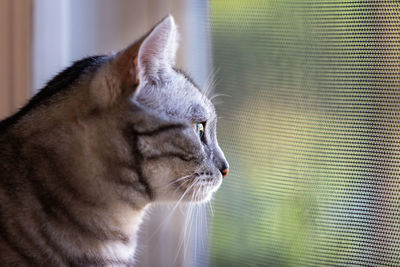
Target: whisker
{"type": "Point", "coordinates": [172, 211]}
{"type": "Point", "coordinates": [180, 186]}
{"type": "Point", "coordinates": [218, 95]}
{"type": "Point", "coordinates": [188, 223]}
{"type": "Point", "coordinates": [210, 83]}
{"type": "Point", "coordinates": [210, 207]}
{"type": "Point", "coordinates": [175, 181]}
{"type": "Point", "coordinates": [217, 103]}
{"type": "Point", "coordinates": [185, 234]}
{"type": "Point", "coordinates": [182, 238]}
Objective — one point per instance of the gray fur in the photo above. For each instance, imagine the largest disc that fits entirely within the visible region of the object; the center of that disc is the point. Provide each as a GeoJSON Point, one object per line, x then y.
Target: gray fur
{"type": "Point", "coordinates": [82, 161]}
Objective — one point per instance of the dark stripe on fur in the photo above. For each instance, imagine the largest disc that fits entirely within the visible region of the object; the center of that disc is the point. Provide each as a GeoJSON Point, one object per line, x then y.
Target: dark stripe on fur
{"type": "Point", "coordinates": [131, 136]}
{"type": "Point", "coordinates": [4, 235]}
{"type": "Point", "coordinates": [13, 191]}
{"type": "Point", "coordinates": [57, 253]}
{"type": "Point", "coordinates": [161, 130]}
{"type": "Point", "coordinates": [53, 207]}
{"type": "Point", "coordinates": [171, 155]}
{"type": "Point", "coordinates": [58, 84]}
{"type": "Point", "coordinates": [76, 261]}
{"type": "Point", "coordinates": [62, 179]}
{"type": "Point", "coordinates": [97, 261]}
{"type": "Point", "coordinates": [34, 246]}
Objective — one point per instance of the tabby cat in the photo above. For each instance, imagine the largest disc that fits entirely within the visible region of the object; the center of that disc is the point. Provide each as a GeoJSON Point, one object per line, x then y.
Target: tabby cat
{"type": "Point", "coordinates": [105, 138]}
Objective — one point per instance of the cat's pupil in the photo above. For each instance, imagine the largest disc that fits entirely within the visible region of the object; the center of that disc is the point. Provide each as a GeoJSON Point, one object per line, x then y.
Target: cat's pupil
{"type": "Point", "coordinates": [200, 129]}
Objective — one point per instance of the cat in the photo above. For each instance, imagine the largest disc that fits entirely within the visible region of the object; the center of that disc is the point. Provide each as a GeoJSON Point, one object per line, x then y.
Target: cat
{"type": "Point", "coordinates": [104, 139]}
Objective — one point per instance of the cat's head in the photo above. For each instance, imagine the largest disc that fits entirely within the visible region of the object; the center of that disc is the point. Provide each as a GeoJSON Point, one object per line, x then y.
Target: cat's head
{"type": "Point", "coordinates": [168, 123]}
{"type": "Point", "coordinates": [128, 124]}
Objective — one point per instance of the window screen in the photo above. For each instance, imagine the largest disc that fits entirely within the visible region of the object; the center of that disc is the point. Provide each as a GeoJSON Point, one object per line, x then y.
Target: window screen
{"type": "Point", "coordinates": [310, 126]}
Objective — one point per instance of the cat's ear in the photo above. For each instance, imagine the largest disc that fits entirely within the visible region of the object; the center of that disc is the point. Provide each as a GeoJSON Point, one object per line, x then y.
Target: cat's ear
{"type": "Point", "coordinates": [157, 51]}
{"type": "Point", "coordinates": [144, 60]}
{"type": "Point", "coordinates": [150, 55]}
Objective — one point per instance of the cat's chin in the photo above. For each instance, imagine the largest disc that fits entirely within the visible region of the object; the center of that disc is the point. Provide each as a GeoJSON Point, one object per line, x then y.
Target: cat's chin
{"type": "Point", "coordinates": [200, 198]}
{"type": "Point", "coordinates": [203, 193]}
{"type": "Point", "coordinates": [203, 199]}
{"type": "Point", "coordinates": [197, 192]}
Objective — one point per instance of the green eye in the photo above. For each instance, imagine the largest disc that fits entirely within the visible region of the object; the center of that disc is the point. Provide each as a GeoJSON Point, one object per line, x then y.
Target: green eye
{"type": "Point", "coordinates": [199, 127]}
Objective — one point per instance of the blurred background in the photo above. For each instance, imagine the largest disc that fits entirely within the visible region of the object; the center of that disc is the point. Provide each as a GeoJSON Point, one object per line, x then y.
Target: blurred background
{"type": "Point", "coordinates": [309, 119]}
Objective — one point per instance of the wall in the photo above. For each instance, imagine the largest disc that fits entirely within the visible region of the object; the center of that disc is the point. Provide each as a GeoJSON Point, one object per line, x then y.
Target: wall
{"type": "Point", "coordinates": [15, 54]}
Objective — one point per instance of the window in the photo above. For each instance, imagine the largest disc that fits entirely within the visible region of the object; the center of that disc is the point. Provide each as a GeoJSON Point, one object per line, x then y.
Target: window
{"type": "Point", "coordinates": [311, 130]}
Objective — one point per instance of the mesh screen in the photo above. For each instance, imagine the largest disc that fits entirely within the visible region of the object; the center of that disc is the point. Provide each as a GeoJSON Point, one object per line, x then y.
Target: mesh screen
{"type": "Point", "coordinates": [310, 127]}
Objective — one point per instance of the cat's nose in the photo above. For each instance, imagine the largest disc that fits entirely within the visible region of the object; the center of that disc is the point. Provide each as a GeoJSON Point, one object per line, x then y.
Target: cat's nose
{"type": "Point", "coordinates": [224, 172]}
{"type": "Point", "coordinates": [224, 169]}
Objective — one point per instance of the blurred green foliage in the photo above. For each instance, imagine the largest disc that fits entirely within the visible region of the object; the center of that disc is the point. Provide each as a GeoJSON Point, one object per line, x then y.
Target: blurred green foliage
{"type": "Point", "coordinates": [302, 130]}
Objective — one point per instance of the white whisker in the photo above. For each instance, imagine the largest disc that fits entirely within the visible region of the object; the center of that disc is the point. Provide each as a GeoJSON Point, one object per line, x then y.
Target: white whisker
{"type": "Point", "coordinates": [218, 95]}
{"type": "Point", "coordinates": [210, 83]}
{"type": "Point", "coordinates": [210, 207]}
{"type": "Point", "coordinates": [176, 180]}
{"type": "Point", "coordinates": [188, 223]}
{"type": "Point", "coordinates": [172, 211]}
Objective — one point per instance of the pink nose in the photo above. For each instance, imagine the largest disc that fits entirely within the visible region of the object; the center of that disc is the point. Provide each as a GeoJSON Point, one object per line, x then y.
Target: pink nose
{"type": "Point", "coordinates": [224, 172]}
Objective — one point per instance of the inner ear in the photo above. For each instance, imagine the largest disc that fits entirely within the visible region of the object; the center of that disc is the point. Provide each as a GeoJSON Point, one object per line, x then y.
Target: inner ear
{"type": "Point", "coordinates": [157, 52]}
{"type": "Point", "coordinates": [145, 59]}
{"type": "Point", "coordinates": [126, 65]}
{"type": "Point", "coordinates": [135, 62]}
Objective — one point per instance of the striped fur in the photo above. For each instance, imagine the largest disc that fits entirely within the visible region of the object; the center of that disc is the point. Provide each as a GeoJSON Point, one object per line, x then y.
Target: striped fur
{"type": "Point", "coordinates": [104, 139]}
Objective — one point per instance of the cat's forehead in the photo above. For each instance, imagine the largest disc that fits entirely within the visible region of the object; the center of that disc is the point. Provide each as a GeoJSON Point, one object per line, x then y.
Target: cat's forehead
{"type": "Point", "coordinates": [191, 97]}
{"type": "Point", "coordinates": [176, 96]}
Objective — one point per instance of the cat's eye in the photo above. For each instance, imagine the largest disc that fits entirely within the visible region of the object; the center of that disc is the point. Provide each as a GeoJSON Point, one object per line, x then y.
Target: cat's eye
{"type": "Point", "coordinates": [199, 127]}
